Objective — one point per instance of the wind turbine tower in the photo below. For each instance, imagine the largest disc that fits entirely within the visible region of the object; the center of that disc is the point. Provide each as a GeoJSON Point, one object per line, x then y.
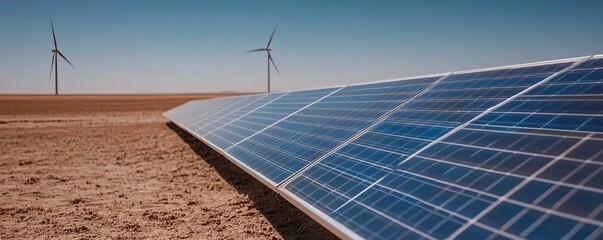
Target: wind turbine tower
{"type": "Point", "coordinates": [270, 59]}
{"type": "Point", "coordinates": [55, 61]}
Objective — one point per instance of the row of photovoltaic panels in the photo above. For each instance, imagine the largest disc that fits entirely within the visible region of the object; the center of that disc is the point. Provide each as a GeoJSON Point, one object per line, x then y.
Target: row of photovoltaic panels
{"type": "Point", "coordinates": [507, 153]}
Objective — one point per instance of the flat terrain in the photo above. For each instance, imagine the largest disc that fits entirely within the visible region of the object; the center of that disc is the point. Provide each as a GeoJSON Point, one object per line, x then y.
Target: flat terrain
{"type": "Point", "coordinates": [85, 167]}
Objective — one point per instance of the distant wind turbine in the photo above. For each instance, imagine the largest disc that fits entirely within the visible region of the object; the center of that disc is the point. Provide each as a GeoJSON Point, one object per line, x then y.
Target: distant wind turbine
{"type": "Point", "coordinates": [55, 61]}
{"type": "Point", "coordinates": [270, 60]}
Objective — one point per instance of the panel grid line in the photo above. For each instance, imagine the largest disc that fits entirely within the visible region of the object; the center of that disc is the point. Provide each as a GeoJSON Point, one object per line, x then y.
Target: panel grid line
{"type": "Point", "coordinates": [355, 196]}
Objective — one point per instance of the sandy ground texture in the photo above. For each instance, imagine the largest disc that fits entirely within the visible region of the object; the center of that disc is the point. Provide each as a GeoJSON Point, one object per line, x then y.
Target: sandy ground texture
{"type": "Point", "coordinates": [87, 167]}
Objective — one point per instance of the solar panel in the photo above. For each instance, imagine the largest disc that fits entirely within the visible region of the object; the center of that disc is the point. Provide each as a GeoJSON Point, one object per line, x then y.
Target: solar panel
{"type": "Point", "coordinates": [549, 140]}
{"type": "Point", "coordinates": [241, 108]}
{"type": "Point", "coordinates": [200, 115]}
{"type": "Point", "coordinates": [264, 116]}
{"type": "Point", "coordinates": [291, 144]}
{"type": "Point", "coordinates": [228, 106]}
{"type": "Point", "coordinates": [500, 153]}
{"type": "Point", "coordinates": [338, 183]}
{"type": "Point", "coordinates": [184, 112]}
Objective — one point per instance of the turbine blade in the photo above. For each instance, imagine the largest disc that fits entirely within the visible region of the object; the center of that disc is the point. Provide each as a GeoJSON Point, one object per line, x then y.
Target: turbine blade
{"type": "Point", "coordinates": [65, 59]}
{"type": "Point", "coordinates": [256, 50]}
{"type": "Point", "coordinates": [271, 36]}
{"type": "Point", "coordinates": [273, 64]}
{"type": "Point", "coordinates": [53, 36]}
{"type": "Point", "coordinates": [51, 67]}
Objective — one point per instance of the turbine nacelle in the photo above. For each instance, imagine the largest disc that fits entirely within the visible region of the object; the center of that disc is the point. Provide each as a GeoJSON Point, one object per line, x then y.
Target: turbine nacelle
{"type": "Point", "coordinates": [268, 50]}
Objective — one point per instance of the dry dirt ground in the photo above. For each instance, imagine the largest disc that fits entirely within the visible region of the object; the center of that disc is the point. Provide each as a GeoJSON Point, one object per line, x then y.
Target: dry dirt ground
{"type": "Point", "coordinates": [86, 167]}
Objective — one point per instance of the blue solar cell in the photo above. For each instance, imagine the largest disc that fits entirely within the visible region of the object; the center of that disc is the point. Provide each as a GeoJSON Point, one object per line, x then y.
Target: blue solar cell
{"type": "Point", "coordinates": [551, 227]}
{"type": "Point", "coordinates": [474, 232]}
{"type": "Point", "coordinates": [286, 147]}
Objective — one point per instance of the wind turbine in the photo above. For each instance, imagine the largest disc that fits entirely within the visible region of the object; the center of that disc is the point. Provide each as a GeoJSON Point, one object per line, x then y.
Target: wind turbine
{"type": "Point", "coordinates": [270, 60]}
{"type": "Point", "coordinates": [55, 61]}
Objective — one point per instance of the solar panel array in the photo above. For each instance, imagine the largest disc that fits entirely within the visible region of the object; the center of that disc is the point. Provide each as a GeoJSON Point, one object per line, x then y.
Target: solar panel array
{"type": "Point", "coordinates": [502, 153]}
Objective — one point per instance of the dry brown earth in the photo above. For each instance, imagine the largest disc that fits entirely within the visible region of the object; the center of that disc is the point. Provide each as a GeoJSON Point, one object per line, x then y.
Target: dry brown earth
{"type": "Point", "coordinates": [86, 167]}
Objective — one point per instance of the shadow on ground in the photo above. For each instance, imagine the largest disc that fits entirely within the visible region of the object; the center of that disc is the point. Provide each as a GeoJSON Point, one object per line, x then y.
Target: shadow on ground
{"type": "Point", "coordinates": [289, 221]}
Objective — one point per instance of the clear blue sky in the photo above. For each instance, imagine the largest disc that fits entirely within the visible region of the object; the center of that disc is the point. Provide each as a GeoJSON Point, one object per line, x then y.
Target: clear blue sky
{"type": "Point", "coordinates": [198, 46]}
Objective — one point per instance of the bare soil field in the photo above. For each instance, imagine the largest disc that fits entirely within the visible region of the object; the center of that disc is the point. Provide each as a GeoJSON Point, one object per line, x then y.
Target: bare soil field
{"type": "Point", "coordinates": [87, 167]}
